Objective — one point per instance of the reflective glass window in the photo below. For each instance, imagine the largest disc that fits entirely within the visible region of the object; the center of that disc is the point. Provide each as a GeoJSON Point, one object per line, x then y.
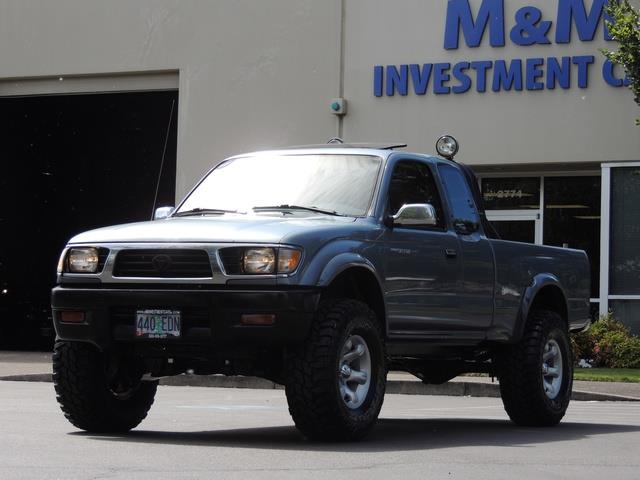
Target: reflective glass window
{"type": "Point", "coordinates": [511, 193]}
{"type": "Point", "coordinates": [624, 259]}
{"type": "Point", "coordinates": [572, 218]}
{"type": "Point", "coordinates": [628, 312]}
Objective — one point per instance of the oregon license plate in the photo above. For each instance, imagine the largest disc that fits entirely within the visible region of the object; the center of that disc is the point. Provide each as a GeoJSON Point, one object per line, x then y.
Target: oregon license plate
{"type": "Point", "coordinates": [158, 323]}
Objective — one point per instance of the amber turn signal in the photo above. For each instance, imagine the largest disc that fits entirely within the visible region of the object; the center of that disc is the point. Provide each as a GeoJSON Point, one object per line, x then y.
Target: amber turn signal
{"type": "Point", "coordinates": [288, 259]}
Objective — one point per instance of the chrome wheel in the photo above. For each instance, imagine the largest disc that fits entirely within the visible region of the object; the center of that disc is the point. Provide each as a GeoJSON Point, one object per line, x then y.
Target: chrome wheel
{"type": "Point", "coordinates": [552, 369]}
{"type": "Point", "coordinates": [354, 371]}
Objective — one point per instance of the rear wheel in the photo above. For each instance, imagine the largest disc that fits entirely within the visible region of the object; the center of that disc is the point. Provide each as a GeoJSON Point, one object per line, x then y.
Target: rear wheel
{"type": "Point", "coordinates": [536, 374]}
{"type": "Point", "coordinates": [336, 380]}
{"type": "Point", "coordinates": [97, 394]}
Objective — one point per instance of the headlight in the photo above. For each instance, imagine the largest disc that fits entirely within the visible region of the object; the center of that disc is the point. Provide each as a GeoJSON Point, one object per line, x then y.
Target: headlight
{"type": "Point", "coordinates": [259, 260]}
{"type": "Point", "coordinates": [83, 260]}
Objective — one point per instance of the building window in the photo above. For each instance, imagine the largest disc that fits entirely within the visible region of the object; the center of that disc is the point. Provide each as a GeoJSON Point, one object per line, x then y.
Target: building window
{"type": "Point", "coordinates": [628, 312]}
{"type": "Point", "coordinates": [513, 207]}
{"type": "Point", "coordinates": [624, 259]}
{"type": "Point", "coordinates": [620, 234]}
{"type": "Point", "coordinates": [511, 193]}
{"type": "Point", "coordinates": [572, 218]}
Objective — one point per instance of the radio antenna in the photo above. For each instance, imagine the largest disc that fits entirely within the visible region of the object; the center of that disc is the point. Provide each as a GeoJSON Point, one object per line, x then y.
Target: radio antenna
{"type": "Point", "coordinates": [164, 151]}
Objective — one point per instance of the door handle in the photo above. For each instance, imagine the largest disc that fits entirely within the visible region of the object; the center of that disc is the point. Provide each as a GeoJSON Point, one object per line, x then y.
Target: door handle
{"type": "Point", "coordinates": [450, 253]}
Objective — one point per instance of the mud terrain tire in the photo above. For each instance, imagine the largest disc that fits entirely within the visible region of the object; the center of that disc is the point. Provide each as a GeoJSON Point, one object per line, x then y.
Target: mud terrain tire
{"type": "Point", "coordinates": [336, 379]}
{"type": "Point", "coordinates": [88, 399]}
{"type": "Point", "coordinates": [536, 374]}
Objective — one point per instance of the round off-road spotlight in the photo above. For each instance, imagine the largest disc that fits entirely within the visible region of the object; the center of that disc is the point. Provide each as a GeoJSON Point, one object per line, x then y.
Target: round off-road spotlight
{"type": "Point", "coordinates": [447, 147]}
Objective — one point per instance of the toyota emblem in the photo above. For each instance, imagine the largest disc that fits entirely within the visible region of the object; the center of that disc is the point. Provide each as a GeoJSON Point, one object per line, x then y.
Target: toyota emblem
{"type": "Point", "coordinates": [161, 262]}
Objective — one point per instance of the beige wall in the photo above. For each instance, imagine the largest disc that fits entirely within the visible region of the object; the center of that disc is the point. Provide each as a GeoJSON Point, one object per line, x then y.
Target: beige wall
{"type": "Point", "coordinates": [260, 74]}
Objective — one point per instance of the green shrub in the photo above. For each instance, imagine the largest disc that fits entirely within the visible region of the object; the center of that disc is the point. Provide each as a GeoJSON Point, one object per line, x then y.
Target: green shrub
{"type": "Point", "coordinates": [583, 346]}
{"type": "Point", "coordinates": [608, 343]}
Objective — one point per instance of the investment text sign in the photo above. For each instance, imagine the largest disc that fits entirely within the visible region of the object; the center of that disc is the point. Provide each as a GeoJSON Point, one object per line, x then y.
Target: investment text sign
{"type": "Point", "coordinates": [489, 26]}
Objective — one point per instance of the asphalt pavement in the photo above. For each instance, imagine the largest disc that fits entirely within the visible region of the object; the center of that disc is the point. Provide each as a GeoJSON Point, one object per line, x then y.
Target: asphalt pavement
{"type": "Point", "coordinates": [36, 366]}
{"type": "Point", "coordinates": [245, 434]}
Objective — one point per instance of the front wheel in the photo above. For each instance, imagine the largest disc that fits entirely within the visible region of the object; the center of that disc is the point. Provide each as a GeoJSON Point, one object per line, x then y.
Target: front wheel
{"type": "Point", "coordinates": [536, 374]}
{"type": "Point", "coordinates": [336, 379]}
{"type": "Point", "coordinates": [97, 394]}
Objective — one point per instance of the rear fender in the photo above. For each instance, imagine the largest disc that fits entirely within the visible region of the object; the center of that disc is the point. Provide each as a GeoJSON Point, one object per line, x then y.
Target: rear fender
{"type": "Point", "coordinates": [540, 282]}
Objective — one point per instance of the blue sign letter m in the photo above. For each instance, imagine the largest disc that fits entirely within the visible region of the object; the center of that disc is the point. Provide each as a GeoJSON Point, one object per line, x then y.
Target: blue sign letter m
{"type": "Point", "coordinates": [586, 24]}
{"type": "Point", "coordinates": [459, 16]}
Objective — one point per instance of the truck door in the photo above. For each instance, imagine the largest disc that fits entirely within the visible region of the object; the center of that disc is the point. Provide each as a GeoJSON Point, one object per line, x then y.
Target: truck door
{"type": "Point", "coordinates": [422, 272]}
{"type": "Point", "coordinates": [475, 252]}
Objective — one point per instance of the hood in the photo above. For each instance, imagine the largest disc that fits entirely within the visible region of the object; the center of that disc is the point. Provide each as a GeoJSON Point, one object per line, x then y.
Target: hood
{"type": "Point", "coordinates": [228, 228]}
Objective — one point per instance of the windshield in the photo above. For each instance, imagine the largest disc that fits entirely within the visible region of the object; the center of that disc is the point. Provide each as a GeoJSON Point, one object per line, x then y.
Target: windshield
{"type": "Point", "coordinates": [337, 184]}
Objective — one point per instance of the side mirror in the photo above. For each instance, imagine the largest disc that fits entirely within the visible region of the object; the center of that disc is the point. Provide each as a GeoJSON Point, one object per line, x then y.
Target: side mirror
{"type": "Point", "coordinates": [162, 212]}
{"type": "Point", "coordinates": [415, 214]}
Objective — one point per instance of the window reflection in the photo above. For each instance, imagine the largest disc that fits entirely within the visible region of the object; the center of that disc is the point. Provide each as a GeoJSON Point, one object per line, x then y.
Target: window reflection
{"type": "Point", "coordinates": [511, 193]}
{"type": "Point", "coordinates": [624, 262]}
{"type": "Point", "coordinates": [572, 218]}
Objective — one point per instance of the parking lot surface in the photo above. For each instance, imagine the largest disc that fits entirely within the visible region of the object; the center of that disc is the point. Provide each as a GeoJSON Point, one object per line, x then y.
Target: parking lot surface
{"type": "Point", "coordinates": [232, 433]}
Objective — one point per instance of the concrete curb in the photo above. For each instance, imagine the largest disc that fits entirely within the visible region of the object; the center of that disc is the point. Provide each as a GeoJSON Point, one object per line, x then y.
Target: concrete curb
{"type": "Point", "coordinates": [31, 377]}
{"type": "Point", "coordinates": [403, 387]}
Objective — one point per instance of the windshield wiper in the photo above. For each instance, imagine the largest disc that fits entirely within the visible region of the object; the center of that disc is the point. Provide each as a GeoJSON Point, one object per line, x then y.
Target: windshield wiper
{"type": "Point", "coordinates": [203, 211]}
{"type": "Point", "coordinates": [296, 207]}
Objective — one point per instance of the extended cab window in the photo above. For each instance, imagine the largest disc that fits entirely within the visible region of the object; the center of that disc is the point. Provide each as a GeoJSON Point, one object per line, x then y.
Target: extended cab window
{"type": "Point", "coordinates": [463, 208]}
{"type": "Point", "coordinates": [412, 182]}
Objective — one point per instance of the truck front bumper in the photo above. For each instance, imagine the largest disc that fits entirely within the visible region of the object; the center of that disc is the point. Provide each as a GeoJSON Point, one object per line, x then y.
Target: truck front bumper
{"type": "Point", "coordinates": [210, 318]}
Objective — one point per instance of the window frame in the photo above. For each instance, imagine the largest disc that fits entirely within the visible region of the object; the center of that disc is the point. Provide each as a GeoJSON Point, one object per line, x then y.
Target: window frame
{"type": "Point", "coordinates": [444, 224]}
{"type": "Point", "coordinates": [605, 231]}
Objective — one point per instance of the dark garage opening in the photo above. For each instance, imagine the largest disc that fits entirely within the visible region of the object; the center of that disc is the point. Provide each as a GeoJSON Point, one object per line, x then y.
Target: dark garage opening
{"type": "Point", "coordinates": [72, 163]}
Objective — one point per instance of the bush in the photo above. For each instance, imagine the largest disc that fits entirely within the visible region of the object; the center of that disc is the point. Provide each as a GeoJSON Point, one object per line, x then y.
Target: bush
{"type": "Point", "coordinates": [608, 343]}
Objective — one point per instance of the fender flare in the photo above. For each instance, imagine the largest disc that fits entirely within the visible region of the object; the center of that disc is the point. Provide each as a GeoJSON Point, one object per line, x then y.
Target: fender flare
{"type": "Point", "coordinates": [345, 261]}
{"type": "Point", "coordinates": [540, 281]}
{"type": "Point", "coordinates": [342, 262]}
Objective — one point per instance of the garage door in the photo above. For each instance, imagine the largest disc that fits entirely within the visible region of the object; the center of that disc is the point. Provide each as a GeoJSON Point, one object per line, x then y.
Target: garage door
{"type": "Point", "coordinates": [71, 163]}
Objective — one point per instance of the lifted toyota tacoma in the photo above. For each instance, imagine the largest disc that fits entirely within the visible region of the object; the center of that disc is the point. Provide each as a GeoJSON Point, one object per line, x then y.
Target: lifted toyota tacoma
{"type": "Point", "coordinates": [319, 268]}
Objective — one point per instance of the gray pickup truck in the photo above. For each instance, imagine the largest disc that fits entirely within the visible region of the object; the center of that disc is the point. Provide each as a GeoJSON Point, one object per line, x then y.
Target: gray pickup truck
{"type": "Point", "coordinates": [319, 268]}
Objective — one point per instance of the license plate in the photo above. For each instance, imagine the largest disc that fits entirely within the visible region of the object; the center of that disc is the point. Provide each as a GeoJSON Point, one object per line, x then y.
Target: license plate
{"type": "Point", "coordinates": [158, 323]}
